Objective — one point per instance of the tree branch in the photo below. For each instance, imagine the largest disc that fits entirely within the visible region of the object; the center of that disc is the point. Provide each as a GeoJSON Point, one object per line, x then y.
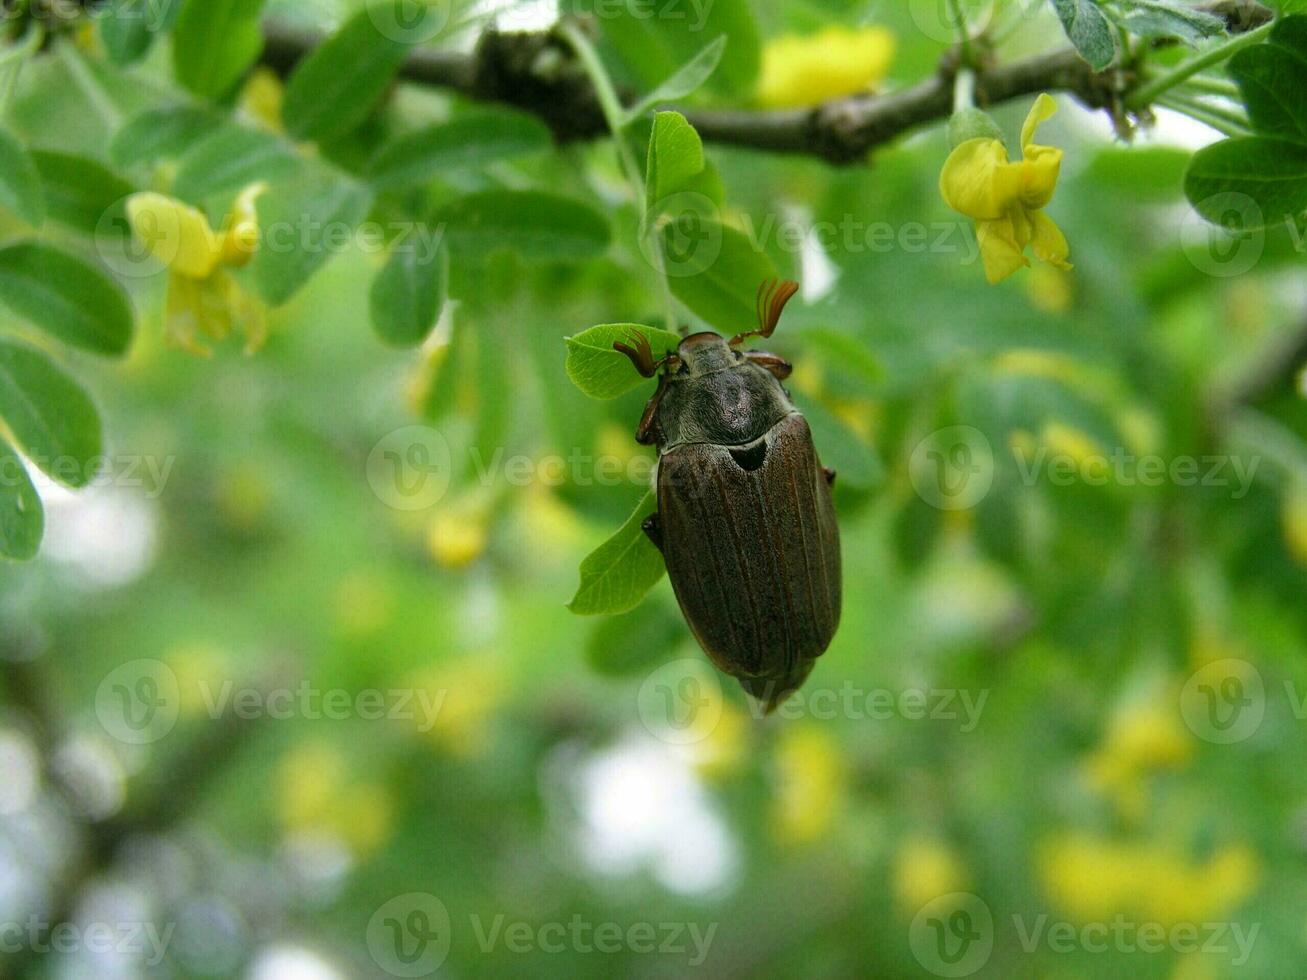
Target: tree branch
{"type": "Point", "coordinates": [534, 71]}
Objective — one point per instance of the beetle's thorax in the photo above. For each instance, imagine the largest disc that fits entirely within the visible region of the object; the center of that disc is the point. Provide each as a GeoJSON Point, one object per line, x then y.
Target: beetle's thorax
{"type": "Point", "coordinates": [718, 396]}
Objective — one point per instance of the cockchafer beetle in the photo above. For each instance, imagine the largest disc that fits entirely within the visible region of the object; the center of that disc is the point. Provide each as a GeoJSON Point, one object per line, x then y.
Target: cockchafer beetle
{"type": "Point", "coordinates": [745, 519]}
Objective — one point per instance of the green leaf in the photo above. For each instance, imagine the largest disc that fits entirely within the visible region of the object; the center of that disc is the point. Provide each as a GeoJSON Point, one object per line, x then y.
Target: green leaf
{"type": "Point", "coordinates": [617, 574]}
{"type": "Point", "coordinates": [467, 142]}
{"type": "Point", "coordinates": [20, 182]}
{"type": "Point", "coordinates": [1158, 18]}
{"type": "Point", "coordinates": [214, 44]}
{"type": "Point", "coordinates": [409, 292]}
{"type": "Point", "coordinates": [1089, 31]}
{"type": "Point", "coordinates": [50, 417]}
{"type": "Point", "coordinates": [65, 296]}
{"type": "Point", "coordinates": [301, 226]}
{"type": "Point", "coordinates": [538, 226]}
{"type": "Point", "coordinates": [128, 28]}
{"type": "Point", "coordinates": [715, 271]}
{"type": "Point", "coordinates": [230, 159]}
{"type": "Point", "coordinates": [335, 88]}
{"type": "Point", "coordinates": [840, 448]}
{"type": "Point", "coordinates": [684, 80]}
{"type": "Point", "coordinates": [1273, 82]}
{"type": "Point", "coordinates": [161, 133]}
{"type": "Point", "coordinates": [83, 194]}
{"type": "Point", "coordinates": [602, 372]}
{"type": "Point", "coordinates": [675, 157]}
{"type": "Point", "coordinates": [632, 642]}
{"type": "Point", "coordinates": [22, 520]}
{"type": "Point", "coordinates": [1256, 180]}
{"type": "Point", "coordinates": [654, 47]}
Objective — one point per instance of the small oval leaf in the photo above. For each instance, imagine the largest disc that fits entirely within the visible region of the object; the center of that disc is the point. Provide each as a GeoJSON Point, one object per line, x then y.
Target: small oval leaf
{"type": "Point", "coordinates": [22, 519]}
{"type": "Point", "coordinates": [539, 227]}
{"type": "Point", "coordinates": [333, 89]}
{"type": "Point", "coordinates": [715, 271]}
{"type": "Point", "coordinates": [82, 193]}
{"type": "Point", "coordinates": [50, 416]}
{"type": "Point", "coordinates": [230, 159]}
{"type": "Point", "coordinates": [302, 225]}
{"type": "Point", "coordinates": [409, 292]}
{"type": "Point", "coordinates": [20, 181]}
{"type": "Point", "coordinates": [603, 372]}
{"type": "Point", "coordinates": [214, 43]}
{"type": "Point", "coordinates": [617, 574]}
{"type": "Point", "coordinates": [65, 296]}
{"type": "Point", "coordinates": [469, 141]}
{"type": "Point", "coordinates": [160, 133]}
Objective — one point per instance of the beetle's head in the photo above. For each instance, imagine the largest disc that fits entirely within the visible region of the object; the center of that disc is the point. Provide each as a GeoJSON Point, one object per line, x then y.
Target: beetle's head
{"type": "Point", "coordinates": [705, 353]}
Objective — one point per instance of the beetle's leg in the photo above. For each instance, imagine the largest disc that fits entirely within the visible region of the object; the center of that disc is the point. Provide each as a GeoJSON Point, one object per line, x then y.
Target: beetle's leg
{"type": "Point", "coordinates": [644, 432]}
{"type": "Point", "coordinates": [829, 474]}
{"type": "Point", "coordinates": [653, 527]}
{"type": "Point", "coordinates": [777, 365]}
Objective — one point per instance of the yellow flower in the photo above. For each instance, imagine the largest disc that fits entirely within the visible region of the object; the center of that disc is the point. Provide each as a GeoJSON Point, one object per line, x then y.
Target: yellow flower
{"type": "Point", "coordinates": [925, 868]}
{"type": "Point", "coordinates": [802, 70]}
{"type": "Point", "coordinates": [262, 97]}
{"type": "Point", "coordinates": [1092, 879]}
{"type": "Point", "coordinates": [1005, 198]}
{"type": "Point", "coordinates": [811, 784]}
{"type": "Point", "coordinates": [203, 298]}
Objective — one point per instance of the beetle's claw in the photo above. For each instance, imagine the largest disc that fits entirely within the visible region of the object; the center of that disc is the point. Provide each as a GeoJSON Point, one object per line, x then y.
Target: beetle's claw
{"type": "Point", "coordinates": [830, 475]}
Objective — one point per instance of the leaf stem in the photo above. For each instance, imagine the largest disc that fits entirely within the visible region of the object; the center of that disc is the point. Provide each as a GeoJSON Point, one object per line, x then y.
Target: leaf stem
{"type": "Point", "coordinates": [1182, 72]}
{"type": "Point", "coordinates": [616, 118]}
{"type": "Point", "coordinates": [1219, 118]}
{"type": "Point", "coordinates": [964, 90]}
{"type": "Point", "coordinates": [964, 32]}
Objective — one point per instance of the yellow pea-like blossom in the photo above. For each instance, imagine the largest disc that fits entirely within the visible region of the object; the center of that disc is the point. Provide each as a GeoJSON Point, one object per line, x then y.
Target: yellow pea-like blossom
{"type": "Point", "coordinates": [811, 783]}
{"type": "Point", "coordinates": [203, 298]}
{"type": "Point", "coordinates": [1006, 199]}
{"type": "Point", "coordinates": [1092, 879]}
{"type": "Point", "coordinates": [925, 867]}
{"type": "Point", "coordinates": [802, 70]}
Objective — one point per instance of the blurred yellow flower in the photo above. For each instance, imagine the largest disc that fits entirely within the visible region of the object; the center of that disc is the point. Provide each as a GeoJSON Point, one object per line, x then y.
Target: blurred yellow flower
{"type": "Point", "coordinates": [1005, 199]}
{"type": "Point", "coordinates": [802, 70]}
{"type": "Point", "coordinates": [1142, 738]}
{"type": "Point", "coordinates": [1049, 289]}
{"type": "Point", "coordinates": [317, 795]}
{"type": "Point", "coordinates": [1092, 879]}
{"type": "Point", "coordinates": [811, 781]}
{"type": "Point", "coordinates": [457, 534]}
{"type": "Point", "coordinates": [721, 750]}
{"type": "Point", "coordinates": [925, 868]}
{"type": "Point", "coordinates": [465, 695]}
{"type": "Point", "coordinates": [203, 298]}
{"type": "Point", "coordinates": [261, 98]}
{"type": "Point", "coordinates": [1294, 520]}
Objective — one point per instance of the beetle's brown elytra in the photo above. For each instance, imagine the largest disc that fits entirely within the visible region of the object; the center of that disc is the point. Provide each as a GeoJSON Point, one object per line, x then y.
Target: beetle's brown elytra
{"type": "Point", "coordinates": [746, 518]}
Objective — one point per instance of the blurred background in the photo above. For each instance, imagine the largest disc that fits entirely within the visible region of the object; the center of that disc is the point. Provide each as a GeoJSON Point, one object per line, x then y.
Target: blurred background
{"type": "Point", "coordinates": [292, 691]}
